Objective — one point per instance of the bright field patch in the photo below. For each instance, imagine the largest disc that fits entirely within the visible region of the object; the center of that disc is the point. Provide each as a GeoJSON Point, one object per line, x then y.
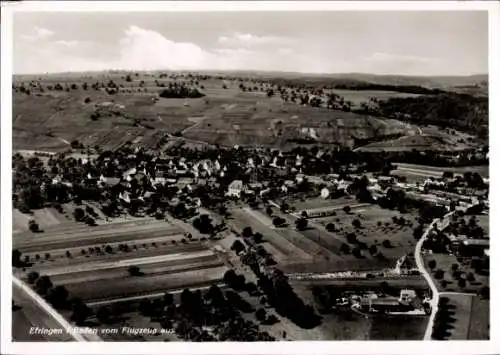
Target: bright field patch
{"type": "Point", "coordinates": [359, 96]}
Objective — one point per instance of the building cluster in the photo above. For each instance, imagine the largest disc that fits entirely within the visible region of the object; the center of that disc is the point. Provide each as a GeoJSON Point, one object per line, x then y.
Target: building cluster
{"type": "Point", "coordinates": [408, 303]}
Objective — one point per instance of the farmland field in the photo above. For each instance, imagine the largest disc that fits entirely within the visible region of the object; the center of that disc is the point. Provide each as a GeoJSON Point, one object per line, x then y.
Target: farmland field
{"type": "Point", "coordinates": [438, 171]}
{"type": "Point", "coordinates": [317, 250]}
{"type": "Point", "coordinates": [359, 96]}
{"type": "Point", "coordinates": [224, 116]}
{"type": "Point", "coordinates": [469, 312]}
{"type": "Point", "coordinates": [133, 286]}
{"type": "Point", "coordinates": [377, 225]}
{"type": "Point", "coordinates": [445, 262]}
{"type": "Point", "coordinates": [92, 264]}
{"type": "Point", "coordinates": [318, 202]}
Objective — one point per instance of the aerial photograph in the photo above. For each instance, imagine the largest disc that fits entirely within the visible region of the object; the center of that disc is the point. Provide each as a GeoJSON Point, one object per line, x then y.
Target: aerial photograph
{"type": "Point", "coordinates": [250, 176]}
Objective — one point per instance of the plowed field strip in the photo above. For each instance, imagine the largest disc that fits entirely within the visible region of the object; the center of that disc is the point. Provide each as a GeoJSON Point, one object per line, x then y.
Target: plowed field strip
{"type": "Point", "coordinates": [176, 266]}
{"type": "Point", "coordinates": [134, 286]}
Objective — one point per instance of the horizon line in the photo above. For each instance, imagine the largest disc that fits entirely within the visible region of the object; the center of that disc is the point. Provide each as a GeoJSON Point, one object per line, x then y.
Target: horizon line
{"type": "Point", "coordinates": [251, 71]}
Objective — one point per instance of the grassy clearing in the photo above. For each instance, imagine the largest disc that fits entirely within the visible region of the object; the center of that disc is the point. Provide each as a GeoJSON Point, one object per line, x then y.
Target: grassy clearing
{"type": "Point", "coordinates": [479, 324]}
{"type": "Point", "coordinates": [45, 217]}
{"type": "Point", "coordinates": [371, 233]}
{"type": "Point", "coordinates": [461, 308]}
{"type": "Point", "coordinates": [285, 248]}
{"type": "Point", "coordinates": [359, 96]}
{"type": "Point", "coordinates": [171, 267]}
{"type": "Point", "coordinates": [445, 262]}
{"type": "Point", "coordinates": [318, 202]}
{"type": "Point", "coordinates": [82, 235]}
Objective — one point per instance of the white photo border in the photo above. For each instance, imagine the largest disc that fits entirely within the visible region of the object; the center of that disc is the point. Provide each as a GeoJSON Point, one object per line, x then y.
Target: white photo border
{"type": "Point", "coordinates": [299, 347]}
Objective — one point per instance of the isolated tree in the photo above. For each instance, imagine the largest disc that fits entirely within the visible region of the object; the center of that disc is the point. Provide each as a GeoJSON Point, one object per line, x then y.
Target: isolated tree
{"type": "Point", "coordinates": [351, 238]}
{"type": "Point", "coordinates": [247, 232]}
{"type": "Point", "coordinates": [439, 274]}
{"type": "Point", "coordinates": [356, 223]}
{"type": "Point", "coordinates": [278, 221]}
{"type": "Point", "coordinates": [145, 307]}
{"type": "Point", "coordinates": [260, 314]}
{"type": "Point", "coordinates": [32, 277]}
{"type": "Point", "coordinates": [346, 209]}
{"type": "Point", "coordinates": [168, 299]}
{"type": "Point", "coordinates": [34, 227]}
{"type": "Point", "coordinates": [79, 214]}
{"type": "Point", "coordinates": [301, 224]}
{"type": "Point", "coordinates": [238, 246]}
{"type": "Point", "coordinates": [258, 237]}
{"type": "Point", "coordinates": [356, 252]}
{"type": "Point", "coordinates": [103, 314]}
{"type": "Point", "coordinates": [461, 283]}
{"type": "Point", "coordinates": [134, 270]}
{"type": "Point", "coordinates": [373, 249]}
{"type": "Point", "coordinates": [386, 243]}
{"type": "Point", "coordinates": [476, 264]}
{"type": "Point", "coordinates": [454, 267]}
{"type": "Point", "coordinates": [269, 211]}
{"type": "Point", "coordinates": [418, 231]}
{"type": "Point", "coordinates": [432, 264]}
{"type": "Point", "coordinates": [58, 296]}
{"type": "Point", "coordinates": [80, 312]}
{"type": "Point", "coordinates": [345, 248]}
{"type": "Point", "coordinates": [43, 284]}
{"type": "Point", "coordinates": [330, 227]}
{"type": "Point", "coordinates": [16, 258]}
{"type": "Point", "coordinates": [484, 292]}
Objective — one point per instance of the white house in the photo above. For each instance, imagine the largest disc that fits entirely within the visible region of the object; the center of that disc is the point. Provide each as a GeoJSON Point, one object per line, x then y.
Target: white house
{"type": "Point", "coordinates": [325, 192]}
{"type": "Point", "coordinates": [235, 188]}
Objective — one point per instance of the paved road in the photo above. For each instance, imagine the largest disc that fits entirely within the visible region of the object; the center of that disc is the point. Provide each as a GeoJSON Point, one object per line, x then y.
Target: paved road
{"type": "Point", "coordinates": [47, 316]}
{"type": "Point", "coordinates": [421, 267]}
{"type": "Point", "coordinates": [29, 315]}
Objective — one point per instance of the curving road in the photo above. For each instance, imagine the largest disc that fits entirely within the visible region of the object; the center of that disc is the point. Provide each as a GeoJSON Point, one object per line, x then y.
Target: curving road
{"type": "Point", "coordinates": [421, 267]}
{"type": "Point", "coordinates": [51, 312]}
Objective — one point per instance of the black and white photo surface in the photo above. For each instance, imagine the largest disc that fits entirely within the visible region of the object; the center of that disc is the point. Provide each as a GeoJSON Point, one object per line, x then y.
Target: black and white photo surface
{"type": "Point", "coordinates": [181, 175]}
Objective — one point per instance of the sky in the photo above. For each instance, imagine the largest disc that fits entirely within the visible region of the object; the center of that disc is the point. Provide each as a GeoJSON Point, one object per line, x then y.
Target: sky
{"type": "Point", "coordinates": [381, 42]}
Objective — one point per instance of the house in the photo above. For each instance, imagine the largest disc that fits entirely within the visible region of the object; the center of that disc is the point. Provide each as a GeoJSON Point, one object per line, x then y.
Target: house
{"type": "Point", "coordinates": [235, 188]}
{"type": "Point", "coordinates": [325, 193]}
{"type": "Point", "coordinates": [110, 181]}
{"type": "Point", "coordinates": [407, 296]}
{"type": "Point", "coordinates": [160, 180]}
{"type": "Point", "coordinates": [473, 247]}
{"type": "Point", "coordinates": [129, 173]}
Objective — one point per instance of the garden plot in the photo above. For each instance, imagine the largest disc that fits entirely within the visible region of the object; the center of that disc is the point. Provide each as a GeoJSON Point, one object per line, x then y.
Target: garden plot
{"type": "Point", "coordinates": [376, 226]}
{"type": "Point", "coordinates": [271, 235]}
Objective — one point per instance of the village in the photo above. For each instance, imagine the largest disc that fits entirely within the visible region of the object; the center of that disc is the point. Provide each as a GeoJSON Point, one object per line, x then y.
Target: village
{"type": "Point", "coordinates": [217, 196]}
